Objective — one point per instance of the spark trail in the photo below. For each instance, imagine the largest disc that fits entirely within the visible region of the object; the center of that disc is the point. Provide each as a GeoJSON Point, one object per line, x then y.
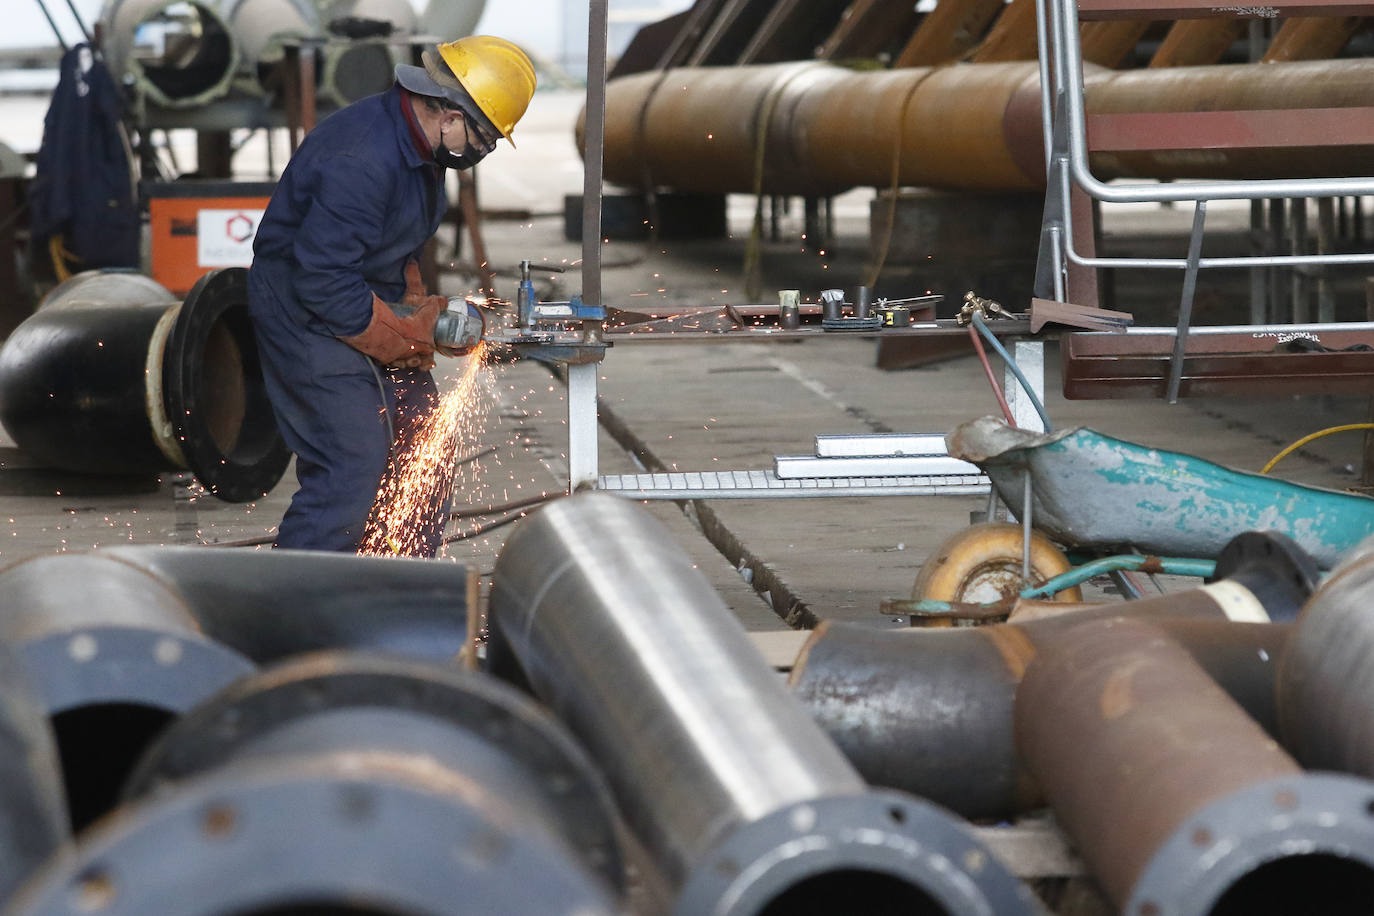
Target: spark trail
{"type": "Point", "coordinates": [415, 490]}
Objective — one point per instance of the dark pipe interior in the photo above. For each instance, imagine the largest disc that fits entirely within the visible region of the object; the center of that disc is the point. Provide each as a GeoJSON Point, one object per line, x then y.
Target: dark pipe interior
{"type": "Point", "coordinates": [321, 908]}
{"type": "Point", "coordinates": [853, 891]}
{"type": "Point", "coordinates": [99, 745]}
{"type": "Point", "coordinates": [363, 70]}
{"type": "Point", "coordinates": [224, 387]}
{"type": "Point", "coordinates": [193, 54]}
{"type": "Point", "coordinates": [1300, 885]}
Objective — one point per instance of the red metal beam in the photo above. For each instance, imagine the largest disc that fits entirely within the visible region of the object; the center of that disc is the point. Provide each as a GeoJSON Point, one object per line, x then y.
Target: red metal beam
{"type": "Point", "coordinates": [1170, 130]}
{"type": "Point", "coordinates": [1201, 9]}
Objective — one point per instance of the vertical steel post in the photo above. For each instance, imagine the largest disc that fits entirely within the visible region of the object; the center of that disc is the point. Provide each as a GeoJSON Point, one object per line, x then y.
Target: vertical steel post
{"type": "Point", "coordinates": [582, 456]}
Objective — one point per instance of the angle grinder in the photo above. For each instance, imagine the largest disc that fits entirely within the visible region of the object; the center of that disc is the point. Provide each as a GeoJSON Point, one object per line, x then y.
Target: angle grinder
{"type": "Point", "coordinates": [459, 328]}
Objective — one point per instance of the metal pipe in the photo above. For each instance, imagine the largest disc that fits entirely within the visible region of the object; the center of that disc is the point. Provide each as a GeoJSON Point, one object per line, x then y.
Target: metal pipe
{"type": "Point", "coordinates": [111, 375]}
{"type": "Point", "coordinates": [111, 655]}
{"type": "Point", "coordinates": [174, 53]}
{"type": "Point", "coordinates": [271, 605]}
{"type": "Point", "coordinates": [345, 782]}
{"type": "Point", "coordinates": [1326, 684]}
{"type": "Point", "coordinates": [733, 791]}
{"type": "Point", "coordinates": [1176, 799]}
{"type": "Point", "coordinates": [33, 807]}
{"type": "Point", "coordinates": [930, 711]}
{"type": "Point", "coordinates": [968, 126]}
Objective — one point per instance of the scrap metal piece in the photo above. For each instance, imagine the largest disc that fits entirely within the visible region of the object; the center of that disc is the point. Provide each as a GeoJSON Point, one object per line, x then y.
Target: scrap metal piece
{"type": "Point", "coordinates": [734, 792]}
{"type": "Point", "coordinates": [1177, 800]}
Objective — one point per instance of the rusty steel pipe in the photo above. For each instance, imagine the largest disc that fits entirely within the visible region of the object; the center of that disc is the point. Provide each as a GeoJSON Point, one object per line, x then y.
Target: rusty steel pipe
{"type": "Point", "coordinates": [1326, 680]}
{"type": "Point", "coordinates": [967, 126]}
{"type": "Point", "coordinates": [931, 711]}
{"type": "Point", "coordinates": [1178, 801]}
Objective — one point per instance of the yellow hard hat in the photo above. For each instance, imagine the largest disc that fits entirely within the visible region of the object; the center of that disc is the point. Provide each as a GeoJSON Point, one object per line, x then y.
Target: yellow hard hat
{"type": "Point", "coordinates": [496, 73]}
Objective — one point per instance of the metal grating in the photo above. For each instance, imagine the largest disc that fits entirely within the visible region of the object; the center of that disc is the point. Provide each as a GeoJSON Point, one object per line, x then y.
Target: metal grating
{"type": "Point", "coordinates": [766, 484]}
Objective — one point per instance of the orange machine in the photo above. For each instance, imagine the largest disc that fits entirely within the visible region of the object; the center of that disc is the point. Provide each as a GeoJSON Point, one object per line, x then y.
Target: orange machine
{"type": "Point", "coordinates": [197, 226]}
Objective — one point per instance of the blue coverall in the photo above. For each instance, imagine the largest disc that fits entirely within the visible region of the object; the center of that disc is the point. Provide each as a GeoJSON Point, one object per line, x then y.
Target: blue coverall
{"type": "Point", "coordinates": [355, 203]}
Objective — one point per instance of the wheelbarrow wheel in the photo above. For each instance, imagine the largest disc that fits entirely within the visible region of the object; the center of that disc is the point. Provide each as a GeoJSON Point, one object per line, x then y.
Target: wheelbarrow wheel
{"type": "Point", "coordinates": [982, 563]}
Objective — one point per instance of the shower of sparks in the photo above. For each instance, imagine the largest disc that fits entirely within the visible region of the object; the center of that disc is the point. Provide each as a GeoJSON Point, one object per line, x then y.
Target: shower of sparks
{"type": "Point", "coordinates": [417, 484]}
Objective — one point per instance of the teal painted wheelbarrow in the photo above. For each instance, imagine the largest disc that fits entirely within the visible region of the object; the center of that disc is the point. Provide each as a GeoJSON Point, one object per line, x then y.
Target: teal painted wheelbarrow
{"type": "Point", "coordinates": [1098, 494]}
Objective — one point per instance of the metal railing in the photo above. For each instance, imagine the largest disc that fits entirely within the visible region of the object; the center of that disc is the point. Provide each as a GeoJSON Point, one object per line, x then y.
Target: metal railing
{"type": "Point", "coordinates": [1066, 156]}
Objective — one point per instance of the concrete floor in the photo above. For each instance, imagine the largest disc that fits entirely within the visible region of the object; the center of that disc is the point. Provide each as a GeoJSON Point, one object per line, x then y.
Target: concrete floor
{"type": "Point", "coordinates": [707, 407]}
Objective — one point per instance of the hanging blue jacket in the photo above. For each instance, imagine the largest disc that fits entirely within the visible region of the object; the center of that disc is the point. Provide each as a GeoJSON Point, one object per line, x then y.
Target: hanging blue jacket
{"type": "Point", "coordinates": [356, 201]}
{"type": "Point", "coordinates": [82, 188]}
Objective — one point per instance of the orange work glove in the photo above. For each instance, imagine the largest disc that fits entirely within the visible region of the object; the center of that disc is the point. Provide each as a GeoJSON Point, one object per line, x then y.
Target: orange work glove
{"type": "Point", "coordinates": [401, 343]}
{"type": "Point", "coordinates": [415, 287]}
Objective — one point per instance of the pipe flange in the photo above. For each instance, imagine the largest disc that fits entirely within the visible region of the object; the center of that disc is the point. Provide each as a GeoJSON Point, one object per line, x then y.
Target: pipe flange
{"type": "Point", "coordinates": [1324, 819]}
{"type": "Point", "coordinates": [892, 846]}
{"type": "Point", "coordinates": [327, 681]}
{"type": "Point", "coordinates": [1273, 567]}
{"type": "Point", "coordinates": [269, 838]}
{"type": "Point", "coordinates": [100, 665]}
{"type": "Point", "coordinates": [214, 392]}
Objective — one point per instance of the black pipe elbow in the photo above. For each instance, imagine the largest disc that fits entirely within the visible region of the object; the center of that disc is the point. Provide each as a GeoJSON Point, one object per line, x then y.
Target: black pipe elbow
{"type": "Point", "coordinates": [112, 375]}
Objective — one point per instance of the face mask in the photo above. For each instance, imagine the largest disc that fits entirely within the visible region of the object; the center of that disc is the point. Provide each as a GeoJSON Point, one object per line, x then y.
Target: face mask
{"type": "Point", "coordinates": [471, 154]}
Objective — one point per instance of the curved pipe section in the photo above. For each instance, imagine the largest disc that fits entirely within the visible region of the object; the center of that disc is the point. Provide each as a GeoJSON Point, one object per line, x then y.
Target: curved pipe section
{"type": "Point", "coordinates": [1178, 800]}
{"type": "Point", "coordinates": [966, 126]}
{"type": "Point", "coordinates": [931, 711]}
{"type": "Point", "coordinates": [33, 807]}
{"type": "Point", "coordinates": [1326, 683]}
{"type": "Point", "coordinates": [350, 784]}
{"type": "Point", "coordinates": [175, 53]}
{"type": "Point", "coordinates": [270, 605]}
{"type": "Point", "coordinates": [101, 380]}
{"type": "Point", "coordinates": [737, 796]}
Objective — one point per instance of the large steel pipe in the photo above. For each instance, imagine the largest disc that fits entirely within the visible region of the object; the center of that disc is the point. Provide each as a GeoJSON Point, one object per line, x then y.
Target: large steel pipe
{"type": "Point", "coordinates": [175, 53]}
{"type": "Point", "coordinates": [33, 807]}
{"type": "Point", "coordinates": [102, 380]}
{"type": "Point", "coordinates": [738, 797]}
{"type": "Point", "coordinates": [112, 656]}
{"type": "Point", "coordinates": [120, 641]}
{"type": "Point", "coordinates": [969, 126]}
{"type": "Point", "coordinates": [931, 711]}
{"type": "Point", "coordinates": [1178, 800]}
{"type": "Point", "coordinates": [1326, 679]}
{"type": "Point", "coordinates": [352, 783]}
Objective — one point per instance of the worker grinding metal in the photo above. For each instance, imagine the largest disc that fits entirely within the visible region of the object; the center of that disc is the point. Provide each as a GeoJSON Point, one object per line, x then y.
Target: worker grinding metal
{"type": "Point", "coordinates": [349, 377]}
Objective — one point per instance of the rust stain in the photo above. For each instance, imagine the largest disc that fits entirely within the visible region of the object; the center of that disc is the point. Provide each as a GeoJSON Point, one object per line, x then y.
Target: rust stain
{"type": "Point", "coordinates": [1014, 646]}
{"type": "Point", "coordinates": [1117, 699]}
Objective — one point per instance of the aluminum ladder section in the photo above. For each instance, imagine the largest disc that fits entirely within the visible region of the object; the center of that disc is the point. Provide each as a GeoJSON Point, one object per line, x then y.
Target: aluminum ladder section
{"type": "Point", "coordinates": [1066, 155]}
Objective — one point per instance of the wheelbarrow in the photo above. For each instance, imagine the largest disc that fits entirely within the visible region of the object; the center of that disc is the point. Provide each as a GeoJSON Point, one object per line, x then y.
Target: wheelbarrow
{"type": "Point", "coordinates": [1097, 496]}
